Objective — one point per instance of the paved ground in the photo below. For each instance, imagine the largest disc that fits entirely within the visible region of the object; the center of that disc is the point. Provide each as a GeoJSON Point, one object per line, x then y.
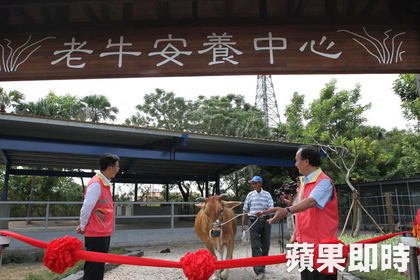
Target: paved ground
{"type": "Point", "coordinates": [125, 272]}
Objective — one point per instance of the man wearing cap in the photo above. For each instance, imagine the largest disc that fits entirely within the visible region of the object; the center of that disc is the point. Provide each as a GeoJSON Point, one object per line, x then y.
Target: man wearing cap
{"type": "Point", "coordinates": [258, 200]}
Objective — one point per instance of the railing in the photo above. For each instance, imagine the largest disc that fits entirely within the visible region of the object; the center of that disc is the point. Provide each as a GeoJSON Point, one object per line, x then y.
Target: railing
{"type": "Point", "coordinates": [123, 211]}
{"type": "Point", "coordinates": [390, 210]}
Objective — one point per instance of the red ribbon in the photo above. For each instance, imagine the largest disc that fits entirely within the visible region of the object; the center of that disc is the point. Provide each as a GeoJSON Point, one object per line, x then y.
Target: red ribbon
{"type": "Point", "coordinates": [64, 252]}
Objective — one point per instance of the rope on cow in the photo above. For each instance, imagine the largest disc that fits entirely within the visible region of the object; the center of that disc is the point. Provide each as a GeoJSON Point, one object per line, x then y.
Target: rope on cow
{"type": "Point", "coordinates": [228, 221]}
{"type": "Point", "coordinates": [240, 215]}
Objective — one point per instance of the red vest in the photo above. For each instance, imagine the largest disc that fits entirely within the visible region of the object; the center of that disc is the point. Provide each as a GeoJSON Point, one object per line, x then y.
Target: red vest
{"type": "Point", "coordinates": [101, 220]}
{"type": "Point", "coordinates": [315, 224]}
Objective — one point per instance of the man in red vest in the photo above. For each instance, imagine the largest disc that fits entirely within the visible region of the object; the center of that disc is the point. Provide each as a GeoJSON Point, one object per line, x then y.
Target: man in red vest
{"type": "Point", "coordinates": [97, 214]}
{"type": "Point", "coordinates": [316, 210]}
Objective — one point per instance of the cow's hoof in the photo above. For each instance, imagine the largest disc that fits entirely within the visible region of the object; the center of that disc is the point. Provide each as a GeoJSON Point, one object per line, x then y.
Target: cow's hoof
{"type": "Point", "coordinates": [224, 275]}
{"type": "Point", "coordinates": [216, 275]}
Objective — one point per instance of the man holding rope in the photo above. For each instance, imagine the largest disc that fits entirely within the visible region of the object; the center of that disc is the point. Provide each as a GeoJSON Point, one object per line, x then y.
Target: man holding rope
{"type": "Point", "coordinates": [316, 210]}
{"type": "Point", "coordinates": [97, 214]}
{"type": "Point", "coordinates": [260, 231]}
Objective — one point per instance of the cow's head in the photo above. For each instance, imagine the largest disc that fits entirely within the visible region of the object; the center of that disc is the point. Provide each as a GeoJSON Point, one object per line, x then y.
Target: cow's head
{"type": "Point", "coordinates": [214, 207]}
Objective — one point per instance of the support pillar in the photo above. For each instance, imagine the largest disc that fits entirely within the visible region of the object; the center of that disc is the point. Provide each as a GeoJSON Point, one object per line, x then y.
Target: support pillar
{"type": "Point", "coordinates": [167, 192]}
{"type": "Point", "coordinates": [5, 208]}
{"type": "Point", "coordinates": [5, 194]}
{"type": "Point", "coordinates": [217, 186]}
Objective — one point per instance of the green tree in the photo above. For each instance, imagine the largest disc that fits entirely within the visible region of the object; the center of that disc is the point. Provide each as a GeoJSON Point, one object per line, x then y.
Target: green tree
{"type": "Point", "coordinates": [335, 113]}
{"type": "Point", "coordinates": [228, 115]}
{"type": "Point", "coordinates": [9, 100]}
{"type": "Point", "coordinates": [293, 127]}
{"type": "Point", "coordinates": [65, 107]}
{"type": "Point", "coordinates": [40, 188]}
{"type": "Point", "coordinates": [406, 88]}
{"type": "Point", "coordinates": [335, 121]}
{"type": "Point", "coordinates": [399, 154]}
{"type": "Point", "coordinates": [97, 108]}
{"type": "Point", "coordinates": [162, 109]}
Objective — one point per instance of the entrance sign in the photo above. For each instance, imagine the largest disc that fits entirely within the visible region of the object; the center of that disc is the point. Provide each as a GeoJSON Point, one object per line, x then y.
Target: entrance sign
{"type": "Point", "coordinates": [228, 50]}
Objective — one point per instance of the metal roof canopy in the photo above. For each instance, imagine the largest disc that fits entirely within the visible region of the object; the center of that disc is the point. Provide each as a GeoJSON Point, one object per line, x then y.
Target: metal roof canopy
{"type": "Point", "coordinates": [147, 155]}
{"type": "Point", "coordinates": [41, 15]}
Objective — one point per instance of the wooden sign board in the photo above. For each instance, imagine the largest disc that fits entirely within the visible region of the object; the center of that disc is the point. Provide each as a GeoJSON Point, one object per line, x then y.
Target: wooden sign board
{"type": "Point", "coordinates": [229, 50]}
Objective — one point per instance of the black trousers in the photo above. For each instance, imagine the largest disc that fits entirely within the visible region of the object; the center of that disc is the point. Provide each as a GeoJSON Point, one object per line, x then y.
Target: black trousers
{"type": "Point", "coordinates": [316, 275]}
{"type": "Point", "coordinates": [94, 270]}
{"type": "Point", "coordinates": [260, 240]}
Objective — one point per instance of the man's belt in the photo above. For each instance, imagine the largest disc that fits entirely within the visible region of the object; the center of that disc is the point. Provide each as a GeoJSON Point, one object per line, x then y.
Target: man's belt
{"type": "Point", "coordinates": [262, 218]}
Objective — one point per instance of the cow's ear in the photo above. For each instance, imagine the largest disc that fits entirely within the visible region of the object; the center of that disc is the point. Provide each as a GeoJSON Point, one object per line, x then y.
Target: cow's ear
{"type": "Point", "coordinates": [231, 204]}
{"type": "Point", "coordinates": [199, 205]}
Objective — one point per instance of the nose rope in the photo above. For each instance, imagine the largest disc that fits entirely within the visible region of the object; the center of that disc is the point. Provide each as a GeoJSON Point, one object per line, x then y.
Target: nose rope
{"type": "Point", "coordinates": [228, 221]}
{"type": "Point", "coordinates": [237, 216]}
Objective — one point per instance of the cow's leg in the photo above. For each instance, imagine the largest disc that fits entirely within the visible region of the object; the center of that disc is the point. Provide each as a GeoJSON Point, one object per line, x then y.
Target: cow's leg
{"type": "Point", "coordinates": [229, 255]}
{"type": "Point", "coordinates": [219, 256]}
{"type": "Point", "coordinates": [214, 252]}
{"type": "Point", "coordinates": [215, 249]}
{"type": "Point", "coordinates": [210, 247]}
{"type": "Point", "coordinates": [229, 249]}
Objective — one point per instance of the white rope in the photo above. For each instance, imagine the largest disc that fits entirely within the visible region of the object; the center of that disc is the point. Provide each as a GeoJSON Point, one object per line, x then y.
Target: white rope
{"type": "Point", "coordinates": [256, 220]}
{"type": "Point", "coordinates": [237, 216]}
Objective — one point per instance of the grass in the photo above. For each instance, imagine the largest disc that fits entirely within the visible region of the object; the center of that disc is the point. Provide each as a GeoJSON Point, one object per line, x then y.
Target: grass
{"type": "Point", "coordinates": [49, 275]}
{"type": "Point", "coordinates": [389, 274]}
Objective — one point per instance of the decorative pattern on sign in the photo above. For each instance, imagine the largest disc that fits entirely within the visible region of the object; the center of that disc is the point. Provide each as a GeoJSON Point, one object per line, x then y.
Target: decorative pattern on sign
{"type": "Point", "coordinates": [11, 58]}
{"type": "Point", "coordinates": [385, 52]}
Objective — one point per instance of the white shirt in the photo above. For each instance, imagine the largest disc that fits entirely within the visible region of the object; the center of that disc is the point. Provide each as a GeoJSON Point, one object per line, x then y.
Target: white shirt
{"type": "Point", "coordinates": [257, 201]}
{"type": "Point", "coordinates": [92, 195]}
{"type": "Point", "coordinates": [322, 192]}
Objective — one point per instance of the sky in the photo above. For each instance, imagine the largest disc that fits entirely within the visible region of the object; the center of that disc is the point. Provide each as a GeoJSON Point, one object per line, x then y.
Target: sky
{"type": "Point", "coordinates": [128, 92]}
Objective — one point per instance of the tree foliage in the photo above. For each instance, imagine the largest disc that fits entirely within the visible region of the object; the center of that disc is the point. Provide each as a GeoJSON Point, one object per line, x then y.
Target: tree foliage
{"type": "Point", "coordinates": [406, 88]}
{"type": "Point", "coordinates": [97, 108]}
{"type": "Point", "coordinates": [228, 115]}
{"type": "Point", "coordinates": [335, 113]}
{"type": "Point", "coordinates": [162, 109]}
{"type": "Point", "coordinates": [9, 100]}
{"type": "Point", "coordinates": [336, 118]}
{"type": "Point", "coordinates": [224, 115]}
{"type": "Point", "coordinates": [52, 105]}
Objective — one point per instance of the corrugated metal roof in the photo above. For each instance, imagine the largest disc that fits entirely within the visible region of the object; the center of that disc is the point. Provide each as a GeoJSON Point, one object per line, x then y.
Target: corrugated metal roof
{"type": "Point", "coordinates": [145, 153]}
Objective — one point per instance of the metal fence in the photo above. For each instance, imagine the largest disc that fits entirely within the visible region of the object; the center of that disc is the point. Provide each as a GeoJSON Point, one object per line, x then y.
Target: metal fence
{"type": "Point", "coordinates": [164, 214]}
{"type": "Point", "coordinates": [392, 211]}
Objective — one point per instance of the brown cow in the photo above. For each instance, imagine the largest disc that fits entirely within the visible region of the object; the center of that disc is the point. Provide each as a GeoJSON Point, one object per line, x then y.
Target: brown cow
{"type": "Point", "coordinates": [209, 227]}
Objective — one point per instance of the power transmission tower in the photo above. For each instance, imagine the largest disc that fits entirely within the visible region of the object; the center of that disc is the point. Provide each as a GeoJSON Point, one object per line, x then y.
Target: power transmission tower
{"type": "Point", "coordinates": [266, 101]}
